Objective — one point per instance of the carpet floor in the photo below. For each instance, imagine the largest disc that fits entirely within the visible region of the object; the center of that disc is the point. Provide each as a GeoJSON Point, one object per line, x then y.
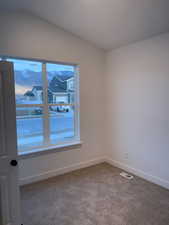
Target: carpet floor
{"type": "Point", "coordinates": [94, 196]}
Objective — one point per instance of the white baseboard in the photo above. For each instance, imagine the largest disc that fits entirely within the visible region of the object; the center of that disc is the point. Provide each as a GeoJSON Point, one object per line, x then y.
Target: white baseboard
{"type": "Point", "coordinates": [139, 173]}
{"type": "Point", "coordinates": [60, 171]}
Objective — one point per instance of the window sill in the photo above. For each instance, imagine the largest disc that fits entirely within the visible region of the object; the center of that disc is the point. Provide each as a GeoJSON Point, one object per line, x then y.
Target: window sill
{"type": "Point", "coordinates": [50, 149]}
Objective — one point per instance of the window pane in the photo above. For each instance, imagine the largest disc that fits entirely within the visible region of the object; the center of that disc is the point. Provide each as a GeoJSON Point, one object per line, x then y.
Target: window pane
{"type": "Point", "coordinates": [28, 81]}
{"type": "Point", "coordinates": [61, 123]}
{"type": "Point", "coordinates": [29, 127]}
{"type": "Point", "coordinates": [60, 83]}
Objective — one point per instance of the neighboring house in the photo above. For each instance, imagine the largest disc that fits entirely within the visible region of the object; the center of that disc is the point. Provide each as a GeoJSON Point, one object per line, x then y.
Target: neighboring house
{"type": "Point", "coordinates": [58, 88]}
{"type": "Point", "coordinates": [37, 91]}
{"type": "Point", "coordinates": [29, 95]}
{"type": "Point", "coordinates": [59, 91]}
{"type": "Point", "coordinates": [70, 90]}
{"type": "Point", "coordinates": [70, 84]}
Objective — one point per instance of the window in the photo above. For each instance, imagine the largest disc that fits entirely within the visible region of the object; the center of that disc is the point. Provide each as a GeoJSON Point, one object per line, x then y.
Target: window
{"type": "Point", "coordinates": [47, 109]}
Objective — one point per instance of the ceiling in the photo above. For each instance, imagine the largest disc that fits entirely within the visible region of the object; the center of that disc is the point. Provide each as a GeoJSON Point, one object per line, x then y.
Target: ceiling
{"type": "Point", "coordinates": [106, 23]}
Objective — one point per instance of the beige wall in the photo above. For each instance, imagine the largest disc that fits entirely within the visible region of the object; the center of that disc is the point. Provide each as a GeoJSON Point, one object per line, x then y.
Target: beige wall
{"type": "Point", "coordinates": [138, 108]}
{"type": "Point", "coordinates": [27, 36]}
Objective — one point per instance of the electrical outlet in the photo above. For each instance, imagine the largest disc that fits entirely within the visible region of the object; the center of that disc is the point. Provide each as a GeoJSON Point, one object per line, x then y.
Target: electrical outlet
{"type": "Point", "coordinates": [126, 155]}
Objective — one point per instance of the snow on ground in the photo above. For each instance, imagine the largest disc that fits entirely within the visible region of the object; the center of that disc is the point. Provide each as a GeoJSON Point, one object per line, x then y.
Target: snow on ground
{"type": "Point", "coordinates": [30, 129]}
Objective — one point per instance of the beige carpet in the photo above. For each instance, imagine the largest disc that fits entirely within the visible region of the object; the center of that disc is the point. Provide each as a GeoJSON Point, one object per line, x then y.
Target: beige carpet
{"type": "Point", "coordinates": [95, 196]}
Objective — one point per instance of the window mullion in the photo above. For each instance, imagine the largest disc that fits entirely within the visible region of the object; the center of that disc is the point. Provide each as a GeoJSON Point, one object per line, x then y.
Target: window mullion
{"type": "Point", "coordinates": [46, 109]}
{"type": "Point", "coordinates": [77, 104]}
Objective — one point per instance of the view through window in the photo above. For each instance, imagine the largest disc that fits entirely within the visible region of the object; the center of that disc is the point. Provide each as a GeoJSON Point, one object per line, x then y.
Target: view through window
{"type": "Point", "coordinates": [46, 103]}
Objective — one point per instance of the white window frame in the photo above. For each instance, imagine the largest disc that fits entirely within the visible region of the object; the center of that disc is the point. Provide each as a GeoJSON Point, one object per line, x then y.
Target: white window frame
{"type": "Point", "coordinates": [46, 127]}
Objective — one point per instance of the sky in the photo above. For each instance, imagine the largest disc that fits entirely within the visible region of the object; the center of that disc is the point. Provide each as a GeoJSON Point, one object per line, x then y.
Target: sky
{"type": "Point", "coordinates": [22, 65]}
{"type": "Point", "coordinates": [37, 66]}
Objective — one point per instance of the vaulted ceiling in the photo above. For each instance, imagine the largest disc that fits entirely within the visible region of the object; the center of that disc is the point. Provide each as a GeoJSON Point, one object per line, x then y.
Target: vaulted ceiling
{"type": "Point", "coordinates": [106, 23]}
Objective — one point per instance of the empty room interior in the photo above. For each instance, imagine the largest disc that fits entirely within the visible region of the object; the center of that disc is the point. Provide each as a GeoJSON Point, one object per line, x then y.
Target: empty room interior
{"type": "Point", "coordinates": [84, 112]}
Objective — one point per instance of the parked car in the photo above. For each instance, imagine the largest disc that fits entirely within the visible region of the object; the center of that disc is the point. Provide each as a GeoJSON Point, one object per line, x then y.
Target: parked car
{"type": "Point", "coordinates": [37, 111]}
{"type": "Point", "coordinates": [62, 108]}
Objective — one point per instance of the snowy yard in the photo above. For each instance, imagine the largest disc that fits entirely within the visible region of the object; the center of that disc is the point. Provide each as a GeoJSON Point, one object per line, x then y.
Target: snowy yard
{"type": "Point", "coordinates": [30, 129]}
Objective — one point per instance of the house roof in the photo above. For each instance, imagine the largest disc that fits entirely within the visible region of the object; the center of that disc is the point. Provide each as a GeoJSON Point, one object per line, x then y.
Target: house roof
{"type": "Point", "coordinates": [57, 85]}
{"type": "Point", "coordinates": [29, 93]}
{"type": "Point", "coordinates": [38, 88]}
{"type": "Point", "coordinates": [57, 89]}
